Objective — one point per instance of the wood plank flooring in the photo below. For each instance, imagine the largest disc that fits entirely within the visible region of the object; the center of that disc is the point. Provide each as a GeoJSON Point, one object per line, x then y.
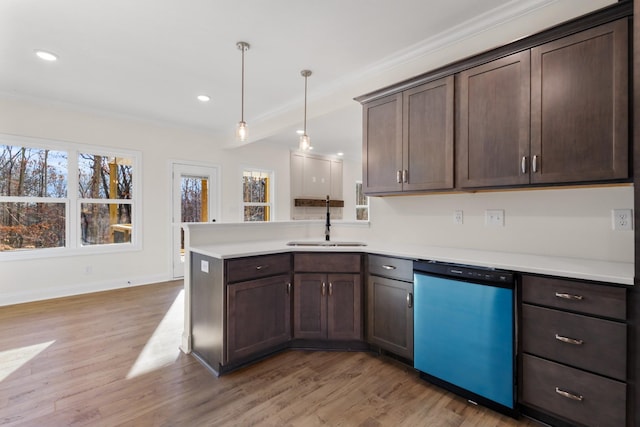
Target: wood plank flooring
{"type": "Point", "coordinates": [112, 359]}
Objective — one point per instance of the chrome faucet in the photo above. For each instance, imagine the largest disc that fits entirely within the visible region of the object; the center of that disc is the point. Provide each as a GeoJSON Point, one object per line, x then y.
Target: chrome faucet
{"type": "Point", "coordinates": [327, 232]}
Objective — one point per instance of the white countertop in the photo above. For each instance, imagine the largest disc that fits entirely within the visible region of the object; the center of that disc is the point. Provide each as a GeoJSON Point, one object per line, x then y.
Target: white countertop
{"type": "Point", "coordinates": [602, 271]}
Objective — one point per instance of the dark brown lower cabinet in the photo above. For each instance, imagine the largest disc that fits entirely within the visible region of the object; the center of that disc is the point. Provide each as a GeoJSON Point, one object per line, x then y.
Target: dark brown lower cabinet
{"type": "Point", "coordinates": [259, 316]}
{"type": "Point", "coordinates": [574, 344]}
{"type": "Point", "coordinates": [390, 315]}
{"type": "Point", "coordinates": [327, 306]}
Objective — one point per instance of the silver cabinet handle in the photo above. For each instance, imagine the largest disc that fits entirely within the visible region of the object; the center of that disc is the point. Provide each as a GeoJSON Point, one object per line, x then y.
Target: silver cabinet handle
{"type": "Point", "coordinates": [389, 267]}
{"type": "Point", "coordinates": [569, 340]}
{"type": "Point", "coordinates": [534, 166]}
{"type": "Point", "coordinates": [330, 288]}
{"type": "Point", "coordinates": [289, 288]}
{"type": "Point", "coordinates": [405, 176]}
{"type": "Point", "coordinates": [409, 300]}
{"type": "Point", "coordinates": [568, 296]}
{"type": "Point", "coordinates": [399, 176]}
{"type": "Point", "coordinates": [260, 267]}
{"type": "Point", "coordinates": [523, 164]}
{"type": "Point", "coordinates": [569, 395]}
{"type": "Point", "coordinates": [324, 289]}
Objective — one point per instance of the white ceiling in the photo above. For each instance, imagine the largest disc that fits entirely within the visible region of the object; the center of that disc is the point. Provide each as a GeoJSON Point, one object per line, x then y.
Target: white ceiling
{"type": "Point", "coordinates": [150, 58]}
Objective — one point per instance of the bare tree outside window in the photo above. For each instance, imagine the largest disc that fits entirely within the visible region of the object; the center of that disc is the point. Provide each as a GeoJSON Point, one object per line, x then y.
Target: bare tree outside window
{"type": "Point", "coordinates": [256, 195]}
{"type": "Point", "coordinates": [362, 204]}
{"type": "Point", "coordinates": [104, 183]}
{"type": "Point", "coordinates": [32, 182]}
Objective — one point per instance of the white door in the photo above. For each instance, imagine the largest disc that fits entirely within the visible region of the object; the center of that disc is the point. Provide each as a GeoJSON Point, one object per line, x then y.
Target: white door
{"type": "Point", "coordinates": [195, 199]}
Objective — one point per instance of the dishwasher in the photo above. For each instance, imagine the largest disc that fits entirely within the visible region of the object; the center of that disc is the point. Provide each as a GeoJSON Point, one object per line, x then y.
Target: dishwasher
{"type": "Point", "coordinates": [464, 332]}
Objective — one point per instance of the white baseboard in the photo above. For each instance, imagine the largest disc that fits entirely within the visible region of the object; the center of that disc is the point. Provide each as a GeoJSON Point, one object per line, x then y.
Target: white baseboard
{"type": "Point", "coordinates": [48, 292]}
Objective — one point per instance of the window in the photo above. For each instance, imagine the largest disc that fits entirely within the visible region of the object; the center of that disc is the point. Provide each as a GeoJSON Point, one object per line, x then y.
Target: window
{"type": "Point", "coordinates": [256, 195]}
{"type": "Point", "coordinates": [362, 204]}
{"type": "Point", "coordinates": [59, 198]}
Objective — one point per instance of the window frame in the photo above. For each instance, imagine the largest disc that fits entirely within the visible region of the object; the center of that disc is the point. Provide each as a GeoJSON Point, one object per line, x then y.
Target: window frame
{"type": "Point", "coordinates": [367, 206]}
{"type": "Point", "coordinates": [73, 201]}
{"type": "Point", "coordinates": [269, 204]}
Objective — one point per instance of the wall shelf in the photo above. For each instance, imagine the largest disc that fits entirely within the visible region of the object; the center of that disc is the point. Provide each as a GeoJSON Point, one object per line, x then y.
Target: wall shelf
{"type": "Point", "coordinates": [318, 203]}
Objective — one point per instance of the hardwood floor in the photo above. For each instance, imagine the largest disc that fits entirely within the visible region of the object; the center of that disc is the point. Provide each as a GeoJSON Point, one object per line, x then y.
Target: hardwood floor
{"type": "Point", "coordinates": [112, 359]}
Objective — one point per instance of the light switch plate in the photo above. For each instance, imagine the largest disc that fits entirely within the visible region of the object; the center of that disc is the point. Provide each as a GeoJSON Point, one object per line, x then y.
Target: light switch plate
{"type": "Point", "coordinates": [204, 266]}
{"type": "Point", "coordinates": [622, 219]}
{"type": "Point", "coordinates": [494, 217]}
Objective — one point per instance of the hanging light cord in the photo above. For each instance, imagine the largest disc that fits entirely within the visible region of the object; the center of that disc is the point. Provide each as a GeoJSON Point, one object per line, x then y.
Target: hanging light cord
{"type": "Point", "coordinates": [242, 96]}
{"type": "Point", "coordinates": [305, 103]}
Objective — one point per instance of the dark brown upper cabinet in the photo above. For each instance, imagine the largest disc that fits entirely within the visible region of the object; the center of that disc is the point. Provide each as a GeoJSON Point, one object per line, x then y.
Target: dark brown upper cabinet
{"type": "Point", "coordinates": [493, 122]}
{"type": "Point", "coordinates": [382, 145]}
{"type": "Point", "coordinates": [579, 106]}
{"type": "Point", "coordinates": [408, 140]}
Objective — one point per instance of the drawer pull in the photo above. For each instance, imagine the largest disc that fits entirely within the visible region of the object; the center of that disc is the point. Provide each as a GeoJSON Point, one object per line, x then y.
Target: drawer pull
{"type": "Point", "coordinates": [389, 267]}
{"type": "Point", "coordinates": [568, 296]}
{"type": "Point", "coordinates": [569, 395]}
{"type": "Point", "coordinates": [569, 340]}
{"type": "Point", "coordinates": [260, 267]}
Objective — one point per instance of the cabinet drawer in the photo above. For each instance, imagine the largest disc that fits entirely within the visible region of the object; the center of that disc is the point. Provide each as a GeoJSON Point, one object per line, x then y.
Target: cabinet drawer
{"type": "Point", "coordinates": [600, 300]}
{"type": "Point", "coordinates": [394, 268]}
{"type": "Point", "coordinates": [584, 342]}
{"type": "Point", "coordinates": [327, 263]}
{"type": "Point", "coordinates": [241, 269]}
{"type": "Point", "coordinates": [593, 400]}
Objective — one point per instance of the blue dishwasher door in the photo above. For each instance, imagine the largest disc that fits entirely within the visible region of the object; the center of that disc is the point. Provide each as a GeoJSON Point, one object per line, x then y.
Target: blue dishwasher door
{"type": "Point", "coordinates": [463, 335]}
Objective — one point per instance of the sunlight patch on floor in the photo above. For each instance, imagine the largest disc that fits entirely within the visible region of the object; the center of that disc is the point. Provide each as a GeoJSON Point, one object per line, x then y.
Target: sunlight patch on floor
{"type": "Point", "coordinates": [163, 347]}
{"type": "Point", "coordinates": [14, 359]}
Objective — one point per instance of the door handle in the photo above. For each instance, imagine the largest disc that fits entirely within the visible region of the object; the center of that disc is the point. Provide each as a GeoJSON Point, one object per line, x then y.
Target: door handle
{"type": "Point", "coordinates": [405, 176]}
{"type": "Point", "coordinates": [534, 166]}
{"type": "Point", "coordinates": [289, 288]}
{"type": "Point", "coordinates": [324, 289]}
{"type": "Point", "coordinates": [399, 176]}
{"type": "Point", "coordinates": [523, 164]}
{"type": "Point", "coordinates": [409, 300]}
{"type": "Point", "coordinates": [330, 288]}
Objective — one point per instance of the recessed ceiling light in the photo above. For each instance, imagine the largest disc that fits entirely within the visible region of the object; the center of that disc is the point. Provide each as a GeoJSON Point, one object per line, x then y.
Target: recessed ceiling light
{"type": "Point", "coordinates": [300, 132]}
{"type": "Point", "coordinates": [341, 154]}
{"type": "Point", "coordinates": [47, 56]}
{"type": "Point", "coordinates": [204, 98]}
{"type": "Point", "coordinates": [310, 147]}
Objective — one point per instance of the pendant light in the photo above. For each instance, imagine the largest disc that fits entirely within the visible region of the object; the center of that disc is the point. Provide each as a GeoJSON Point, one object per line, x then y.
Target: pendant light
{"type": "Point", "coordinates": [241, 131]}
{"type": "Point", "coordinates": [305, 141]}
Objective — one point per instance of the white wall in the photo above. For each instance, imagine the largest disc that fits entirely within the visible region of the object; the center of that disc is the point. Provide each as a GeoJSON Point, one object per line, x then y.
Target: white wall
{"type": "Point", "coordinates": [25, 280]}
{"type": "Point", "coordinates": [573, 223]}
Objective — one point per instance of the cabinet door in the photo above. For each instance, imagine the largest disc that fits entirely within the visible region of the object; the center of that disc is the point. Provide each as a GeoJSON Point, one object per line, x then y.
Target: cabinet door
{"type": "Point", "coordinates": [382, 145]}
{"type": "Point", "coordinates": [344, 307]}
{"type": "Point", "coordinates": [390, 315]}
{"type": "Point", "coordinates": [310, 306]}
{"type": "Point", "coordinates": [259, 316]}
{"type": "Point", "coordinates": [428, 136]}
{"type": "Point", "coordinates": [493, 126]}
{"type": "Point", "coordinates": [579, 106]}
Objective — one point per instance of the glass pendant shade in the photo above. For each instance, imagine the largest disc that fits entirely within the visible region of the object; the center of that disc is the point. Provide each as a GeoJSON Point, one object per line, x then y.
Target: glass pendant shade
{"type": "Point", "coordinates": [305, 142]}
{"type": "Point", "coordinates": [242, 131]}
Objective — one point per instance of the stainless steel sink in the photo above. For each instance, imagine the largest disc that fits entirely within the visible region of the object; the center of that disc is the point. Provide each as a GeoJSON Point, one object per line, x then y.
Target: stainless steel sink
{"type": "Point", "coordinates": [325, 243]}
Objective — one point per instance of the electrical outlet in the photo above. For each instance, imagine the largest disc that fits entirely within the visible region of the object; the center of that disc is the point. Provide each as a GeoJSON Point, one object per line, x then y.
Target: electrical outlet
{"type": "Point", "coordinates": [494, 217]}
{"type": "Point", "coordinates": [622, 219]}
{"type": "Point", "coordinates": [458, 217]}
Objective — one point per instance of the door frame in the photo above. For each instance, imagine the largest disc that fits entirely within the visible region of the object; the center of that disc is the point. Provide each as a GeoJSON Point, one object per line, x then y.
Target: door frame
{"type": "Point", "coordinates": [179, 168]}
